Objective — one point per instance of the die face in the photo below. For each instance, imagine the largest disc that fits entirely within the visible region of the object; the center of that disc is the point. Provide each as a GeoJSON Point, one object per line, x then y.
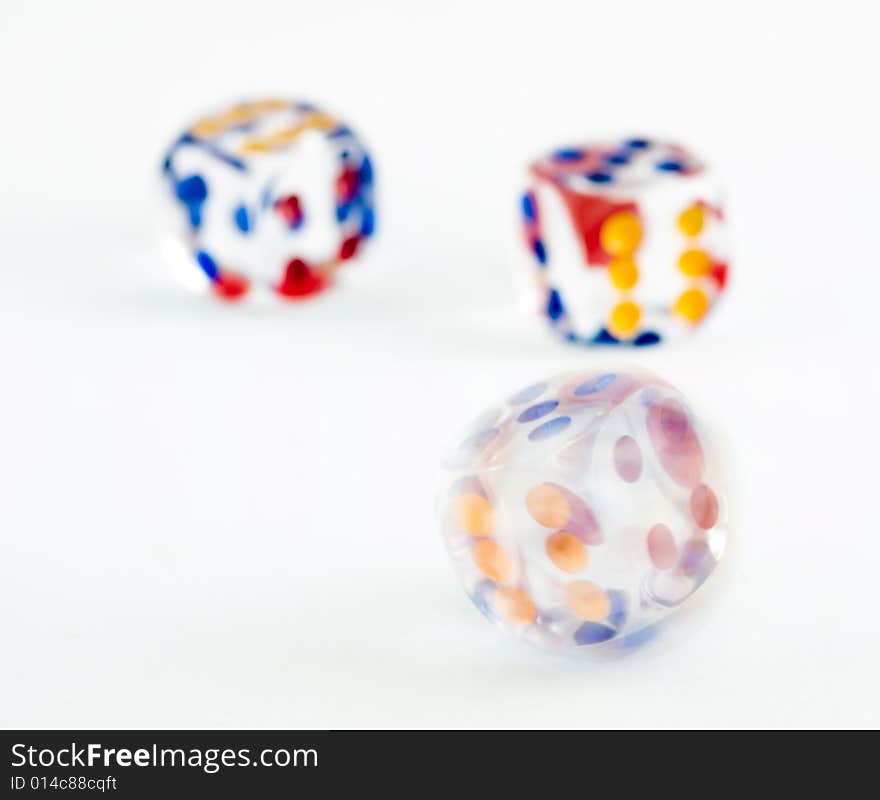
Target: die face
{"type": "Point", "coordinates": [583, 508]}
{"type": "Point", "coordinates": [626, 242]}
{"type": "Point", "coordinates": [269, 195]}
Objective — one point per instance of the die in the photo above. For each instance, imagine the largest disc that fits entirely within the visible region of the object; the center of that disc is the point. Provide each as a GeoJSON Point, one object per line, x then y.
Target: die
{"type": "Point", "coordinates": [267, 195]}
{"type": "Point", "coordinates": [626, 241]}
{"type": "Point", "coordinates": [583, 508]}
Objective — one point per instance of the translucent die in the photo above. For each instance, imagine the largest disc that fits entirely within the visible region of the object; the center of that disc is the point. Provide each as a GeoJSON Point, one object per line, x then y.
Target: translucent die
{"type": "Point", "coordinates": [268, 196]}
{"type": "Point", "coordinates": [626, 241]}
{"type": "Point", "coordinates": [583, 508]}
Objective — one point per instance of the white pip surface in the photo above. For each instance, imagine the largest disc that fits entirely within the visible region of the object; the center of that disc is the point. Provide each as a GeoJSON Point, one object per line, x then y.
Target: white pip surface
{"type": "Point", "coordinates": [221, 516]}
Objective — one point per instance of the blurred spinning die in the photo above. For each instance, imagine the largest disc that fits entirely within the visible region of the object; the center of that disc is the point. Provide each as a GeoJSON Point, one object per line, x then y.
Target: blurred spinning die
{"type": "Point", "coordinates": [583, 508]}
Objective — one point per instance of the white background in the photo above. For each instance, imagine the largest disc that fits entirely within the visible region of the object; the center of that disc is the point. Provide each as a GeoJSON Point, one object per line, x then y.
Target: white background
{"type": "Point", "coordinates": [223, 516]}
